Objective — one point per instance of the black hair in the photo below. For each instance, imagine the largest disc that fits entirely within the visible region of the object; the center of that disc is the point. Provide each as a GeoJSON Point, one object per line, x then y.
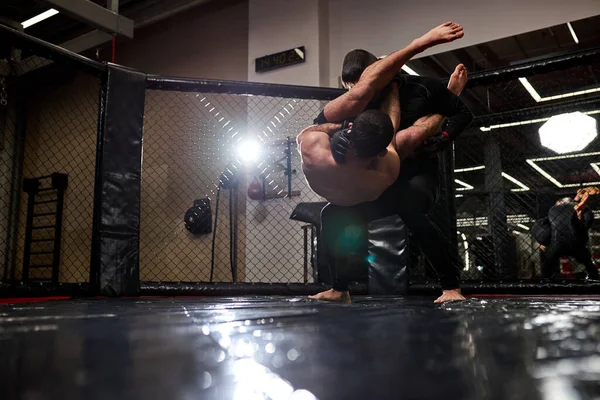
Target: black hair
{"type": "Point", "coordinates": [355, 63]}
{"type": "Point", "coordinates": [372, 132]}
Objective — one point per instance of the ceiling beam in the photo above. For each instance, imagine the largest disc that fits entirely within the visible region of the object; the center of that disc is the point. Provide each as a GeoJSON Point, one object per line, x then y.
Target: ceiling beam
{"type": "Point", "coordinates": [95, 15]}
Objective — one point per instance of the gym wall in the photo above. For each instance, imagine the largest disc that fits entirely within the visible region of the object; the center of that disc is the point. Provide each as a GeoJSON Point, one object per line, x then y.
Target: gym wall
{"type": "Point", "coordinates": [209, 41]}
{"type": "Point", "coordinates": [60, 136]}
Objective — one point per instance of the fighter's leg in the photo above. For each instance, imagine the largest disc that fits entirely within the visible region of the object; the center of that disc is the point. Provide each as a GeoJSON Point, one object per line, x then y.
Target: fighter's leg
{"type": "Point", "coordinates": [550, 260]}
{"type": "Point", "coordinates": [343, 244]}
{"type": "Point", "coordinates": [415, 201]}
{"type": "Point", "coordinates": [407, 140]}
{"type": "Point", "coordinates": [583, 255]}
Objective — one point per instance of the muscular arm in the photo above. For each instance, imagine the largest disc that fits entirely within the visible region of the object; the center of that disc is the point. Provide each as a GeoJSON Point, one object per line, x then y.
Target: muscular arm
{"type": "Point", "coordinates": [379, 74]}
{"type": "Point", "coordinates": [451, 106]}
{"type": "Point", "coordinates": [407, 140]}
{"type": "Point", "coordinates": [326, 130]}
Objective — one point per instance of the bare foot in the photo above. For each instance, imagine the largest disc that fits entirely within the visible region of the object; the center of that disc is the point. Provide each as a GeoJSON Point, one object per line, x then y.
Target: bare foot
{"type": "Point", "coordinates": [332, 295]}
{"type": "Point", "coordinates": [458, 80]}
{"type": "Point", "coordinates": [444, 33]}
{"type": "Point", "coordinates": [450, 295]}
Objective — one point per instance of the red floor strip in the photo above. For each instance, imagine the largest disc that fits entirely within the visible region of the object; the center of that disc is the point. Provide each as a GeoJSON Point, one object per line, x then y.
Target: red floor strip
{"type": "Point", "coordinates": [535, 296]}
{"type": "Point", "coordinates": [19, 300]}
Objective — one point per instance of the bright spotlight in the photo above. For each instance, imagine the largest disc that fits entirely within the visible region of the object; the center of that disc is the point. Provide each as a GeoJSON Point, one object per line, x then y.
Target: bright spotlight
{"type": "Point", "coordinates": [566, 133]}
{"type": "Point", "coordinates": [248, 151]}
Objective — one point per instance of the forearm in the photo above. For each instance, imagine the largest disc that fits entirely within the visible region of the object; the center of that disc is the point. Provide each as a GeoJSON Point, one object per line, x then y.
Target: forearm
{"type": "Point", "coordinates": [407, 140]}
{"type": "Point", "coordinates": [379, 74]}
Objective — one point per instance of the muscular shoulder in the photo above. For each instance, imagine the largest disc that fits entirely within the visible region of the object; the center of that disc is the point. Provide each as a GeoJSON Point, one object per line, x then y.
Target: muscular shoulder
{"type": "Point", "coordinates": [315, 149]}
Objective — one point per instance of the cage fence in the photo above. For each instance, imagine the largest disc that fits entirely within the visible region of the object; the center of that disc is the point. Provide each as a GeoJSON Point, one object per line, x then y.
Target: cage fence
{"type": "Point", "coordinates": [222, 181]}
{"type": "Point", "coordinates": [192, 142]}
{"type": "Point", "coordinates": [49, 134]}
{"type": "Point", "coordinates": [533, 145]}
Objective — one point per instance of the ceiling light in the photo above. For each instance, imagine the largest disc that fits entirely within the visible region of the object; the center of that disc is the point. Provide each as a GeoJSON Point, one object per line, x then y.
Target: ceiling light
{"type": "Point", "coordinates": [39, 18]}
{"type": "Point", "coordinates": [573, 32]}
{"type": "Point", "coordinates": [465, 186]}
{"type": "Point", "coordinates": [404, 68]}
{"type": "Point", "coordinates": [522, 186]}
{"type": "Point", "coordinates": [532, 162]}
{"type": "Point", "coordinates": [470, 169]}
{"type": "Point", "coordinates": [536, 96]}
{"type": "Point", "coordinates": [596, 167]}
{"type": "Point", "coordinates": [566, 133]}
{"type": "Point", "coordinates": [523, 227]}
{"type": "Point", "coordinates": [409, 70]}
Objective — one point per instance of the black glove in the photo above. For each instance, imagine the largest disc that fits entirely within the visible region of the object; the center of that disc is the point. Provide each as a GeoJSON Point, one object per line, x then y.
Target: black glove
{"type": "Point", "coordinates": [433, 145]}
{"type": "Point", "coordinates": [340, 143]}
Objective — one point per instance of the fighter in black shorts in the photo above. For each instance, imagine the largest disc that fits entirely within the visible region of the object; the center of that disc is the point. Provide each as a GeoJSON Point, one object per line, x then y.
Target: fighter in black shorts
{"type": "Point", "coordinates": [414, 192]}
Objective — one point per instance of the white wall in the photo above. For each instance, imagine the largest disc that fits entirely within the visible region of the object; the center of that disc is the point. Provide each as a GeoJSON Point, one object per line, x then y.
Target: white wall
{"type": "Point", "coordinates": [275, 26]}
{"type": "Point", "coordinates": [382, 26]}
{"type": "Point", "coordinates": [209, 41]}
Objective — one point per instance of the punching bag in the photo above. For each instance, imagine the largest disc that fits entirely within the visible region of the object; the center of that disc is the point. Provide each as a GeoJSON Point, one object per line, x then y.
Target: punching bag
{"type": "Point", "coordinates": [198, 218]}
{"type": "Point", "coordinates": [255, 191]}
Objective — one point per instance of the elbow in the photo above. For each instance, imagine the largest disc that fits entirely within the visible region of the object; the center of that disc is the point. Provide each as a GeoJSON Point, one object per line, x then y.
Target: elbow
{"type": "Point", "coordinates": [361, 95]}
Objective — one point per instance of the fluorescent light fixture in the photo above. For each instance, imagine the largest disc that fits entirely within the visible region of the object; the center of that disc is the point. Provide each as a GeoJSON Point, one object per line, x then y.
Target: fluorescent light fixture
{"type": "Point", "coordinates": [409, 70]}
{"type": "Point", "coordinates": [483, 221]}
{"type": "Point", "coordinates": [536, 96]}
{"type": "Point", "coordinates": [522, 186]}
{"type": "Point", "coordinates": [566, 133]}
{"type": "Point", "coordinates": [516, 232]}
{"type": "Point", "coordinates": [466, 246]}
{"type": "Point", "coordinates": [575, 38]}
{"type": "Point", "coordinates": [470, 169]}
{"type": "Point", "coordinates": [532, 162]}
{"type": "Point", "coordinates": [596, 167]}
{"type": "Point", "coordinates": [404, 68]}
{"type": "Point", "coordinates": [465, 186]}
{"type": "Point", "coordinates": [523, 227]}
{"type": "Point", "coordinates": [527, 122]}
{"type": "Point", "coordinates": [39, 18]}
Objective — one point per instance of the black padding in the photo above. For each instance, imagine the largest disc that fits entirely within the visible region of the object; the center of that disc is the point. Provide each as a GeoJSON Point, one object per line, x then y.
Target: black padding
{"type": "Point", "coordinates": [308, 212]}
{"type": "Point", "coordinates": [198, 219]}
{"type": "Point", "coordinates": [116, 233]}
{"type": "Point", "coordinates": [388, 256]}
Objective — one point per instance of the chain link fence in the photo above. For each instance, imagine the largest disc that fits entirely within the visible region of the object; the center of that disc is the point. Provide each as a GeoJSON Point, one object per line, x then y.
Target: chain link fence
{"type": "Point", "coordinates": [48, 119]}
{"type": "Point", "coordinates": [193, 140]}
{"type": "Point", "coordinates": [517, 172]}
{"type": "Point", "coordinates": [221, 178]}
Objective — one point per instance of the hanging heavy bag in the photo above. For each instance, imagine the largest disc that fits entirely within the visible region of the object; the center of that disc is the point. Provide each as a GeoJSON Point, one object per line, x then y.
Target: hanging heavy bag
{"type": "Point", "coordinates": [198, 219]}
{"type": "Point", "coordinates": [255, 191]}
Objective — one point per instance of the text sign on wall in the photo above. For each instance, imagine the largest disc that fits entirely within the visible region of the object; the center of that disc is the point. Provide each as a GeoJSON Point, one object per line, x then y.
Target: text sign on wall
{"type": "Point", "coordinates": [282, 59]}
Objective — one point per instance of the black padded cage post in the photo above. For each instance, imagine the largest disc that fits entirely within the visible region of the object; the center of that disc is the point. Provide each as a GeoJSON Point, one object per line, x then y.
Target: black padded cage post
{"type": "Point", "coordinates": [115, 244]}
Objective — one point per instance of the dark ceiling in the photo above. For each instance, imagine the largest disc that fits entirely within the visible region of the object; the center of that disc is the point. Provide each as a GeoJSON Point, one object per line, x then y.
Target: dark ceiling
{"type": "Point", "coordinates": [61, 28]}
{"type": "Point", "coordinates": [517, 144]}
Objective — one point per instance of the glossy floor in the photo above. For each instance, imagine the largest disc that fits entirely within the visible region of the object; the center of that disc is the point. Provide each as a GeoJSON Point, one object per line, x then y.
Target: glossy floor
{"type": "Point", "coordinates": [281, 348]}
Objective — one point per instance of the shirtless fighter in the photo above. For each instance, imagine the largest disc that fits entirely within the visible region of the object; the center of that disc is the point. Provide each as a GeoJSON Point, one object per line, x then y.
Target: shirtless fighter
{"type": "Point", "coordinates": [369, 169]}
